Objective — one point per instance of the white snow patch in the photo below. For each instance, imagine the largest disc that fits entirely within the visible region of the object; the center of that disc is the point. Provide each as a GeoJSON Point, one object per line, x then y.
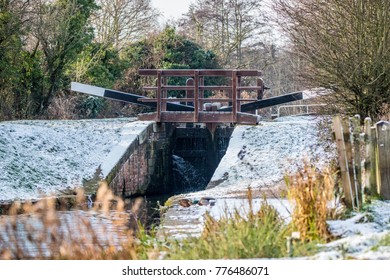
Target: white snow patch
{"type": "Point", "coordinates": [360, 235]}
{"type": "Point", "coordinates": [260, 156]}
{"type": "Point", "coordinates": [44, 157]}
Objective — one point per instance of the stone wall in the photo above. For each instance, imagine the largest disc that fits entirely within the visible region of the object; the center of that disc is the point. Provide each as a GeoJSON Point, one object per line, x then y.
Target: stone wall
{"type": "Point", "coordinates": [145, 168]}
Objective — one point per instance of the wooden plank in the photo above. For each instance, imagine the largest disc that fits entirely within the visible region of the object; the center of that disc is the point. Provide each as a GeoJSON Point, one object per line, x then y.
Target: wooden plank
{"type": "Point", "coordinates": [383, 136]}
{"type": "Point", "coordinates": [370, 161]}
{"type": "Point", "coordinates": [348, 148]}
{"type": "Point", "coordinates": [215, 88]}
{"type": "Point", "coordinates": [343, 162]}
{"type": "Point", "coordinates": [249, 119]}
{"type": "Point", "coordinates": [147, 117]}
{"type": "Point", "coordinates": [356, 158]}
{"type": "Point", "coordinates": [202, 72]}
{"type": "Point", "coordinates": [177, 117]}
{"type": "Point", "coordinates": [204, 117]}
{"type": "Point", "coordinates": [249, 88]}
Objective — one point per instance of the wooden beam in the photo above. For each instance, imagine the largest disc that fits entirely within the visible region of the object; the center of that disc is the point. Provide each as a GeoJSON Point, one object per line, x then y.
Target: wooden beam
{"type": "Point", "coordinates": [202, 72]}
{"type": "Point", "coordinates": [267, 102]}
{"type": "Point", "coordinates": [204, 117]}
{"type": "Point", "coordinates": [124, 97]}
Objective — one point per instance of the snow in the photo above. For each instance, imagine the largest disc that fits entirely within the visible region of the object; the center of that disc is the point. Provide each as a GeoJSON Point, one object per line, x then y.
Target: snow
{"type": "Point", "coordinates": [260, 156]}
{"type": "Point", "coordinates": [47, 157]}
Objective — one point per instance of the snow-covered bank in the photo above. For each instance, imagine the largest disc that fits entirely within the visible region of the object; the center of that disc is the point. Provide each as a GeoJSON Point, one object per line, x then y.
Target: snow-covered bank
{"type": "Point", "coordinates": [45, 157]}
{"type": "Point", "coordinates": [360, 235]}
{"type": "Point", "coordinates": [260, 156]}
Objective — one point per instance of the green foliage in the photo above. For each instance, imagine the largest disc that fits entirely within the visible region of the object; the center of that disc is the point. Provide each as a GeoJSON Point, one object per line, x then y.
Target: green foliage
{"type": "Point", "coordinates": [63, 33]}
{"type": "Point", "coordinates": [166, 50]}
{"type": "Point", "coordinates": [92, 106]}
{"type": "Point", "coordinates": [98, 65]}
{"type": "Point", "coordinates": [10, 46]}
{"type": "Point", "coordinates": [385, 241]}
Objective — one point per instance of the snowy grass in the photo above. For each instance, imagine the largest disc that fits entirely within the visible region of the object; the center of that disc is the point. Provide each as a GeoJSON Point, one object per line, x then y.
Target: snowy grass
{"type": "Point", "coordinates": [48, 157]}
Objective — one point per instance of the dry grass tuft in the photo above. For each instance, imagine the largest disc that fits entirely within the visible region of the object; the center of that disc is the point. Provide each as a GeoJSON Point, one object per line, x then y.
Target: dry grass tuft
{"type": "Point", "coordinates": [42, 232]}
{"type": "Point", "coordinates": [311, 192]}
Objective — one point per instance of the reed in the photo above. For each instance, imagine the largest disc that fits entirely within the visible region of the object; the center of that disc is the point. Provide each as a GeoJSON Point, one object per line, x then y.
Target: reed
{"type": "Point", "coordinates": [310, 192]}
{"type": "Point", "coordinates": [40, 231]}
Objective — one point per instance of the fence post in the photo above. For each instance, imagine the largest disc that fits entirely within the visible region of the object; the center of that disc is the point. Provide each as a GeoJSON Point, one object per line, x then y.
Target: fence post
{"type": "Point", "coordinates": [383, 138]}
{"type": "Point", "coordinates": [370, 159]}
{"type": "Point", "coordinates": [342, 138]}
{"type": "Point", "coordinates": [356, 159]}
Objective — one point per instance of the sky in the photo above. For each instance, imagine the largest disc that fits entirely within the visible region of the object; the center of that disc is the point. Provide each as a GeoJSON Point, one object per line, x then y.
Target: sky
{"type": "Point", "coordinates": [172, 8]}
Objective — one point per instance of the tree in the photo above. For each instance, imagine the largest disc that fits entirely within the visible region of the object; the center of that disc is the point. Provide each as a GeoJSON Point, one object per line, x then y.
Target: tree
{"type": "Point", "coordinates": [166, 50]}
{"type": "Point", "coordinates": [13, 21]}
{"type": "Point", "coordinates": [346, 46]}
{"type": "Point", "coordinates": [120, 22]}
{"type": "Point", "coordinates": [62, 31]}
{"type": "Point", "coordinates": [228, 27]}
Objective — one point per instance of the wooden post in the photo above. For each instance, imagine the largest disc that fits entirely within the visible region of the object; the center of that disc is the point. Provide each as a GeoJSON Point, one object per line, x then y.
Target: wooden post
{"type": "Point", "coordinates": [260, 92]}
{"type": "Point", "coordinates": [196, 96]}
{"type": "Point", "coordinates": [164, 93]}
{"type": "Point", "coordinates": [370, 161]}
{"type": "Point", "coordinates": [341, 139]}
{"type": "Point", "coordinates": [356, 158]}
{"type": "Point", "coordinates": [383, 136]}
{"type": "Point", "coordinates": [159, 92]}
{"type": "Point", "coordinates": [234, 95]}
{"type": "Point", "coordinates": [190, 93]}
{"type": "Point", "coordinates": [348, 149]}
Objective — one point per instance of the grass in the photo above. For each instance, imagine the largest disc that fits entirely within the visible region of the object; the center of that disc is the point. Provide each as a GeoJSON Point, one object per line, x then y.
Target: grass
{"type": "Point", "coordinates": [261, 234]}
{"type": "Point", "coordinates": [238, 238]}
{"type": "Point", "coordinates": [385, 241]}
